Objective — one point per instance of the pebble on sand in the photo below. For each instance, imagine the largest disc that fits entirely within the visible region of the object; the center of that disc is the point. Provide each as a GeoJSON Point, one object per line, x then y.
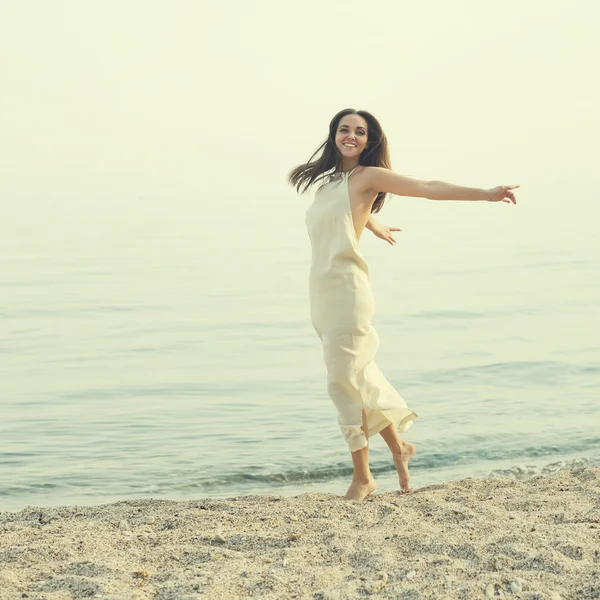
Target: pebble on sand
{"type": "Point", "coordinates": [373, 587]}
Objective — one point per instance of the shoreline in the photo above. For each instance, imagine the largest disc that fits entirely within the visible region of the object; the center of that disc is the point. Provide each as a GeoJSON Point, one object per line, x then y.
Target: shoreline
{"type": "Point", "coordinates": [471, 538]}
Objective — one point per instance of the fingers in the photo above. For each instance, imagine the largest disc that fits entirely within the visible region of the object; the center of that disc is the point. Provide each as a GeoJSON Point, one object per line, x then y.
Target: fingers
{"type": "Point", "coordinates": [386, 234]}
{"type": "Point", "coordinates": [508, 195]}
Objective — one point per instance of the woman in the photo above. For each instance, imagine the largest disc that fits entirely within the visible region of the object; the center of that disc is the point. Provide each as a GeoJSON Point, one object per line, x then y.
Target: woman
{"type": "Point", "coordinates": [353, 169]}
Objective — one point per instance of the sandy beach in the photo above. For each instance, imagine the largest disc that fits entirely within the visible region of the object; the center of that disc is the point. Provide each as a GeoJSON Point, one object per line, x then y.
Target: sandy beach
{"type": "Point", "coordinates": [475, 538]}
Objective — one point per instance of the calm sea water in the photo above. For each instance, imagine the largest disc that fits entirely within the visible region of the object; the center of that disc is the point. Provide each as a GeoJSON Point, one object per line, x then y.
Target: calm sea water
{"type": "Point", "coordinates": [150, 348]}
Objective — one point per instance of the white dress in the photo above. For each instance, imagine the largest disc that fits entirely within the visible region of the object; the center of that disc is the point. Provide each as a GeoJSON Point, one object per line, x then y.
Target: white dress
{"type": "Point", "coordinates": [341, 308]}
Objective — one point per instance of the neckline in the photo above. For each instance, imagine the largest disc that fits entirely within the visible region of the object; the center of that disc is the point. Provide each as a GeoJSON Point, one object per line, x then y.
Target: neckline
{"type": "Point", "coordinates": [342, 174]}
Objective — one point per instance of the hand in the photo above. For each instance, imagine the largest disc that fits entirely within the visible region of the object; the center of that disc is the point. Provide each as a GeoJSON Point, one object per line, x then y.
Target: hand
{"type": "Point", "coordinates": [502, 193]}
{"type": "Point", "coordinates": [385, 233]}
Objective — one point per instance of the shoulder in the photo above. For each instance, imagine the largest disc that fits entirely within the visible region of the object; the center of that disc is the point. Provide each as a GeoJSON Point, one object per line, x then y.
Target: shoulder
{"type": "Point", "coordinates": [367, 178]}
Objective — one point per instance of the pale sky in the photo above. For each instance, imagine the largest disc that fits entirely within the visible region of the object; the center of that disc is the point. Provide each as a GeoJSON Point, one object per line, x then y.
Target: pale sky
{"type": "Point", "coordinates": [154, 98]}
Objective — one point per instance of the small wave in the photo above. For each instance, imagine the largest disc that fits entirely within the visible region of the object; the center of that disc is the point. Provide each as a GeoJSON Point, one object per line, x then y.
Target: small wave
{"type": "Point", "coordinates": [517, 463]}
{"type": "Point", "coordinates": [428, 461]}
{"type": "Point", "coordinates": [523, 472]}
{"type": "Point", "coordinates": [514, 373]}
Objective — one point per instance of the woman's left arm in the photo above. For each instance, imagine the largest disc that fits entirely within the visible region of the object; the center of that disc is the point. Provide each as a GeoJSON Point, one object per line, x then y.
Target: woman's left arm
{"type": "Point", "coordinates": [385, 180]}
{"type": "Point", "coordinates": [440, 190]}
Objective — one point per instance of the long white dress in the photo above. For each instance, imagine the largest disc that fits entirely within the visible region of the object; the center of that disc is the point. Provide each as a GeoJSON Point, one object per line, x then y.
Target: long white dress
{"type": "Point", "coordinates": [341, 308]}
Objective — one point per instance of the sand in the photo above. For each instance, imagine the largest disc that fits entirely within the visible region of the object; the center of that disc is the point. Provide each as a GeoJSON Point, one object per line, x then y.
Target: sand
{"type": "Point", "coordinates": [475, 538]}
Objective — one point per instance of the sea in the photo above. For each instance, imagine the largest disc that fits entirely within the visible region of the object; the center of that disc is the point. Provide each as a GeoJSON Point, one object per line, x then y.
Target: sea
{"type": "Point", "coordinates": [161, 346]}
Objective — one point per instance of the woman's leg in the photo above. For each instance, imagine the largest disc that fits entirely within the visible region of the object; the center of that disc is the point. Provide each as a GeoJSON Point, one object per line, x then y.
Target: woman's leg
{"type": "Point", "coordinates": [402, 452]}
{"type": "Point", "coordinates": [362, 480]}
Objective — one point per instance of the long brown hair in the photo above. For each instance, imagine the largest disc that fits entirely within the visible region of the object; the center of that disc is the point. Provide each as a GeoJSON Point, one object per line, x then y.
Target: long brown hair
{"type": "Point", "coordinates": [375, 154]}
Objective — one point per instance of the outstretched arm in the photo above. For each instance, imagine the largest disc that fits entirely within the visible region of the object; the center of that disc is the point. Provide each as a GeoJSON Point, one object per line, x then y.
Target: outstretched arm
{"type": "Point", "coordinates": [385, 180]}
{"type": "Point", "coordinates": [440, 190]}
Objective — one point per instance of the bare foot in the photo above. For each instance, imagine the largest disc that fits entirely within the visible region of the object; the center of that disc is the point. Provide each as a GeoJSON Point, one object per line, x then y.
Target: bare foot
{"type": "Point", "coordinates": [359, 490]}
{"type": "Point", "coordinates": [401, 459]}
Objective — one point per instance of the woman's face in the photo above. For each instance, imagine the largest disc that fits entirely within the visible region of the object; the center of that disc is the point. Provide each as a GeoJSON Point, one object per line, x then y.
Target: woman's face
{"type": "Point", "coordinates": [351, 136]}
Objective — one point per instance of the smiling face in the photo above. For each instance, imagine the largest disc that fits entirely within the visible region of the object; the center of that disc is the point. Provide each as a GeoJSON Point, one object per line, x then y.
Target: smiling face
{"type": "Point", "coordinates": [351, 136]}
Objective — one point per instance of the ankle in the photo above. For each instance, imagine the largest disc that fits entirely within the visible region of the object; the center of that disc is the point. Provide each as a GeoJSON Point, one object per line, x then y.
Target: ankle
{"type": "Point", "coordinates": [397, 448]}
{"type": "Point", "coordinates": [363, 480]}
